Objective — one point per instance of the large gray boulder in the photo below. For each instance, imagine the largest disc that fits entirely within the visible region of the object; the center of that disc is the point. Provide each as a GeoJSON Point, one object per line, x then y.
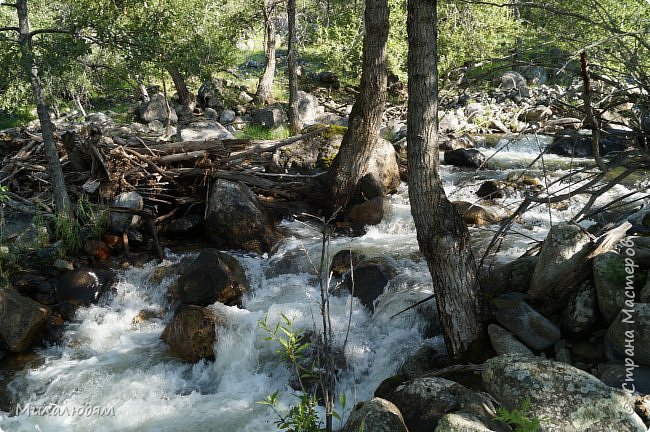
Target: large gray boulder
{"type": "Point", "coordinates": [377, 415]}
{"type": "Point", "coordinates": [559, 269]}
{"type": "Point", "coordinates": [213, 276]}
{"type": "Point", "coordinates": [307, 108]}
{"type": "Point", "coordinates": [581, 314]}
{"type": "Point", "coordinates": [269, 117]}
{"type": "Point", "coordinates": [512, 277]}
{"type": "Point", "coordinates": [204, 130]}
{"type": "Point", "coordinates": [628, 336]}
{"type": "Point", "coordinates": [21, 319]}
{"type": "Point", "coordinates": [120, 222]}
{"type": "Point", "coordinates": [235, 219]}
{"type": "Point", "coordinates": [610, 279]}
{"type": "Point", "coordinates": [461, 422]}
{"type": "Point", "coordinates": [531, 327]}
{"type": "Point", "coordinates": [423, 401]}
{"type": "Point", "coordinates": [369, 279]}
{"type": "Point", "coordinates": [505, 342]}
{"type": "Point", "coordinates": [564, 398]}
{"type": "Point", "coordinates": [383, 165]}
{"type": "Point", "coordinates": [191, 334]}
{"type": "Point", "coordinates": [156, 109]}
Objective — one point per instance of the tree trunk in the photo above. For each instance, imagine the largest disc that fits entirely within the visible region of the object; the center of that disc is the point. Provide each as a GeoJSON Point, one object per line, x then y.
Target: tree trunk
{"type": "Point", "coordinates": [59, 191]}
{"type": "Point", "coordinates": [264, 94]}
{"type": "Point", "coordinates": [350, 164]}
{"type": "Point", "coordinates": [184, 96]}
{"type": "Point", "coordinates": [295, 125]}
{"type": "Point", "coordinates": [442, 235]}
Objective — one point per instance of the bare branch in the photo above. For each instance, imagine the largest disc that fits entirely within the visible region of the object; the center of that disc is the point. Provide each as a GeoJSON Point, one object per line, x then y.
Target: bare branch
{"type": "Point", "coordinates": [2, 29]}
{"type": "Point", "coordinates": [43, 31]}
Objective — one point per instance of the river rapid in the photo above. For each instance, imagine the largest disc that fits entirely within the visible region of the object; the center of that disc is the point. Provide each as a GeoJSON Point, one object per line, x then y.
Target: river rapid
{"type": "Point", "coordinates": [120, 368]}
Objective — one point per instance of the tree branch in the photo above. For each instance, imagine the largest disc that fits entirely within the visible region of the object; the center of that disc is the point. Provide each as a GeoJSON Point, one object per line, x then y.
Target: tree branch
{"type": "Point", "coordinates": [2, 29]}
{"type": "Point", "coordinates": [42, 31]}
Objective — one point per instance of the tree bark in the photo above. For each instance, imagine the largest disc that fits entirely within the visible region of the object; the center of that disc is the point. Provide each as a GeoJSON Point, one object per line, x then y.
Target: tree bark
{"type": "Point", "coordinates": [184, 96]}
{"type": "Point", "coordinates": [59, 191]}
{"type": "Point", "coordinates": [442, 235]}
{"type": "Point", "coordinates": [264, 94]}
{"type": "Point", "coordinates": [350, 164]}
{"type": "Point", "coordinates": [295, 125]}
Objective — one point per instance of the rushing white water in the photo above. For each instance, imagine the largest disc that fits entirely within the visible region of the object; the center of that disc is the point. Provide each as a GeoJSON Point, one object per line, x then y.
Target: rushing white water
{"type": "Point", "coordinates": [107, 361]}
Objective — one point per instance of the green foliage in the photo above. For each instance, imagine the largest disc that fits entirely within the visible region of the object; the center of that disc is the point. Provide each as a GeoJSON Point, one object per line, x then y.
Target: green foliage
{"type": "Point", "coordinates": [68, 230]}
{"type": "Point", "coordinates": [301, 417]}
{"type": "Point", "coordinates": [260, 132]}
{"type": "Point", "coordinates": [518, 418]}
{"type": "Point", "coordinates": [94, 218]}
{"type": "Point", "coordinates": [16, 118]}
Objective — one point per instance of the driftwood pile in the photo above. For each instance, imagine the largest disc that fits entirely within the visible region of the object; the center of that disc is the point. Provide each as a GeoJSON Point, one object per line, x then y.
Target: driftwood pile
{"type": "Point", "coordinates": [166, 174]}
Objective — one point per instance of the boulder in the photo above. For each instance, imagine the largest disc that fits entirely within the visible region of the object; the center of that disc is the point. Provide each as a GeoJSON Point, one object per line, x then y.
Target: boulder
{"type": "Point", "coordinates": [370, 278]}
{"type": "Point", "coordinates": [184, 226]}
{"type": "Point", "coordinates": [82, 286]}
{"type": "Point", "coordinates": [560, 268]}
{"type": "Point", "coordinates": [342, 260]}
{"type": "Point", "coordinates": [210, 114]}
{"type": "Point", "coordinates": [511, 80]}
{"type": "Point", "coordinates": [156, 109]}
{"type": "Point", "coordinates": [307, 155]}
{"type": "Point", "coordinates": [448, 122]}
{"type": "Point", "coordinates": [227, 116]}
{"type": "Point", "coordinates": [505, 342]}
{"type": "Point", "coordinates": [576, 144]}
{"type": "Point", "coordinates": [628, 336]}
{"type": "Point", "coordinates": [536, 114]}
{"type": "Point", "coordinates": [307, 108]}
{"type": "Point", "coordinates": [191, 334]}
{"type": "Point", "coordinates": [21, 319]}
{"type": "Point", "coordinates": [423, 401]}
{"type": "Point", "coordinates": [616, 375]}
{"type": "Point", "coordinates": [213, 276]}
{"type": "Point", "coordinates": [512, 277]}
{"type": "Point", "coordinates": [120, 222]}
{"type": "Point", "coordinates": [210, 94]}
{"type": "Point", "coordinates": [474, 214]}
{"type": "Point", "coordinates": [245, 97]}
{"type": "Point", "coordinates": [383, 165]}
{"type": "Point", "coordinates": [564, 398]}
{"type": "Point", "coordinates": [531, 327]}
{"type": "Point", "coordinates": [468, 158]}
{"type": "Point", "coordinates": [376, 415]}
{"type": "Point", "coordinates": [645, 291]}
{"type": "Point", "coordinates": [269, 117]}
{"type": "Point", "coordinates": [204, 130]}
{"type": "Point", "coordinates": [490, 189]}
{"type": "Point", "coordinates": [610, 281]}
{"type": "Point", "coordinates": [581, 314]}
{"type": "Point", "coordinates": [235, 219]}
{"type": "Point", "coordinates": [461, 422]}
{"type": "Point", "coordinates": [370, 212]}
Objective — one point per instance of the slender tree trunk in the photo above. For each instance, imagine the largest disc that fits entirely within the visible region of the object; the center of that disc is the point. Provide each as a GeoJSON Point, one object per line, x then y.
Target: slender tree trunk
{"type": "Point", "coordinates": [143, 90]}
{"type": "Point", "coordinates": [184, 96]}
{"type": "Point", "coordinates": [264, 94]}
{"type": "Point", "coordinates": [59, 191]}
{"type": "Point", "coordinates": [350, 164]}
{"type": "Point", "coordinates": [294, 120]}
{"type": "Point", "coordinates": [442, 235]}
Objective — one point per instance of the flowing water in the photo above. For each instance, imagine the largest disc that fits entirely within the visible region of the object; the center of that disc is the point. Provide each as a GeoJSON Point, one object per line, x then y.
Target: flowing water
{"type": "Point", "coordinates": [123, 370]}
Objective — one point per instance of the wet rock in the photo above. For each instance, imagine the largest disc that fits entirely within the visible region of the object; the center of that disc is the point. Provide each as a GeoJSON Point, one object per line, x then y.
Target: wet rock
{"type": "Point", "coordinates": [184, 226]}
{"type": "Point", "coordinates": [559, 270]}
{"type": "Point", "coordinates": [191, 333]}
{"type": "Point", "coordinates": [370, 278]}
{"type": "Point", "coordinates": [531, 327]}
{"type": "Point", "coordinates": [423, 401]}
{"type": "Point", "coordinates": [566, 398]}
{"type": "Point", "coordinates": [505, 342]}
{"type": "Point", "coordinates": [427, 358]}
{"type": "Point", "coordinates": [204, 130]}
{"type": "Point", "coordinates": [469, 158]}
{"type": "Point", "coordinates": [270, 117]}
{"type": "Point", "coordinates": [342, 260]}
{"type": "Point", "coordinates": [21, 319]}
{"type": "Point", "coordinates": [610, 280]}
{"type": "Point", "coordinates": [156, 109]}
{"type": "Point", "coordinates": [575, 144]}
{"type": "Point", "coordinates": [461, 422]}
{"type": "Point", "coordinates": [629, 335]}
{"type": "Point", "coordinates": [147, 315]}
{"type": "Point", "coordinates": [512, 277]}
{"type": "Point", "coordinates": [235, 219]}
{"type": "Point", "coordinates": [474, 214]}
{"type": "Point", "coordinates": [370, 212]}
{"type": "Point", "coordinates": [377, 415]}
{"type": "Point", "coordinates": [581, 313]}
{"type": "Point", "coordinates": [490, 189]}
{"type": "Point", "coordinates": [120, 222]}
{"type": "Point", "coordinates": [97, 249]}
{"type": "Point", "coordinates": [213, 276]}
{"type": "Point", "coordinates": [82, 286]}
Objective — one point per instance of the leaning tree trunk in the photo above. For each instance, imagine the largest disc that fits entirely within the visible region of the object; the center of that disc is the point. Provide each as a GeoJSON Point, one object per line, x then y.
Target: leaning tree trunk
{"type": "Point", "coordinates": [350, 164]}
{"type": "Point", "coordinates": [59, 191]}
{"type": "Point", "coordinates": [294, 119]}
{"type": "Point", "coordinates": [264, 94]}
{"type": "Point", "coordinates": [442, 235]}
{"type": "Point", "coordinates": [185, 98]}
